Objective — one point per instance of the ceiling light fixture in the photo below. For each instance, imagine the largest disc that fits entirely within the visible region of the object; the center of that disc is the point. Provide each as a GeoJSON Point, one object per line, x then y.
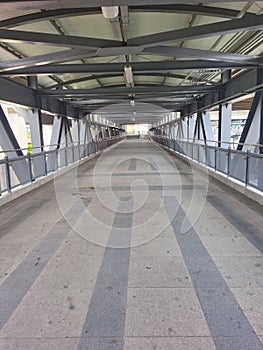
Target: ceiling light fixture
{"type": "Point", "coordinates": [132, 102]}
{"type": "Point", "coordinates": [110, 11]}
{"type": "Point", "coordinates": [128, 74]}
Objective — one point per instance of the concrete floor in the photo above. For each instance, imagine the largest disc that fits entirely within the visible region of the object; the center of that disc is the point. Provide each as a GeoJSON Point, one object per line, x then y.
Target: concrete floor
{"type": "Point", "coordinates": [134, 250]}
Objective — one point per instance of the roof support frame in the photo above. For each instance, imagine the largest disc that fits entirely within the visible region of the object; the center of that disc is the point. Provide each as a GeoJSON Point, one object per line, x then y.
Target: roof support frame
{"type": "Point", "coordinates": [135, 90]}
{"type": "Point", "coordinates": [247, 22]}
{"type": "Point", "coordinates": [206, 30]}
{"type": "Point", "coordinates": [114, 75]}
{"type": "Point", "coordinates": [19, 94]}
{"type": "Point", "coordinates": [19, 36]}
{"type": "Point", "coordinates": [99, 68]}
{"type": "Point", "coordinates": [85, 11]}
{"type": "Point", "coordinates": [54, 4]}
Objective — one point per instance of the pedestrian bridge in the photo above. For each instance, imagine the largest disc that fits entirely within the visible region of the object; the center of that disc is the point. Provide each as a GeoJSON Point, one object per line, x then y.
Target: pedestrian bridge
{"type": "Point", "coordinates": [133, 247]}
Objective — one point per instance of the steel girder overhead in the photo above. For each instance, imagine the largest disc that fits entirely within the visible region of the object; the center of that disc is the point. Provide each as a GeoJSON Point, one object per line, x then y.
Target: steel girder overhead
{"type": "Point", "coordinates": [176, 53]}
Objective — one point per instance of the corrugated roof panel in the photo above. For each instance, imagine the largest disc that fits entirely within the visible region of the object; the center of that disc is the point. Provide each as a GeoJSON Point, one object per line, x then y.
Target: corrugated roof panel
{"type": "Point", "coordinates": [40, 27]}
{"type": "Point", "coordinates": [202, 43]}
{"type": "Point", "coordinates": [255, 7]}
{"type": "Point", "coordinates": [45, 81]}
{"type": "Point", "coordinates": [173, 81]}
{"type": "Point", "coordinates": [113, 81]}
{"type": "Point", "coordinates": [147, 79]}
{"type": "Point", "coordinates": [6, 56]}
{"type": "Point", "coordinates": [29, 50]}
{"type": "Point", "coordinates": [15, 13]}
{"type": "Point", "coordinates": [86, 85]}
{"type": "Point", "coordinates": [103, 59]}
{"type": "Point", "coordinates": [148, 23]}
{"type": "Point", "coordinates": [150, 58]}
{"type": "Point", "coordinates": [92, 26]}
{"type": "Point", "coordinates": [202, 20]}
{"type": "Point", "coordinates": [66, 77]}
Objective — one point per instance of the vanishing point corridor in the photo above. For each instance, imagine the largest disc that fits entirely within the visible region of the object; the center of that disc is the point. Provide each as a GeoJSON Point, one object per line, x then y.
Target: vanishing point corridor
{"type": "Point", "coordinates": [134, 250]}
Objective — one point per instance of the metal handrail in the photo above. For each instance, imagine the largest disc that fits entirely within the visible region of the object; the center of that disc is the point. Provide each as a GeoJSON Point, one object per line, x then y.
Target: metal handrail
{"type": "Point", "coordinates": [244, 166]}
{"type": "Point", "coordinates": [49, 162]}
{"type": "Point", "coordinates": [51, 145]}
{"type": "Point", "coordinates": [215, 141]}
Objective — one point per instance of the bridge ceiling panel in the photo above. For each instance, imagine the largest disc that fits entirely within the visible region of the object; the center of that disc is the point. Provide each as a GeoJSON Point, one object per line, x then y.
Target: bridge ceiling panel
{"type": "Point", "coordinates": [144, 23]}
{"type": "Point", "coordinates": [39, 27]}
{"type": "Point", "coordinates": [93, 26]}
{"type": "Point", "coordinates": [70, 45]}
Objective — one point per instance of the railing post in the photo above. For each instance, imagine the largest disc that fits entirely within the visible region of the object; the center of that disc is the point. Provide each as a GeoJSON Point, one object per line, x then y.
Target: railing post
{"type": "Point", "coordinates": [7, 174]}
{"type": "Point", "coordinates": [73, 156]}
{"type": "Point", "coordinates": [215, 158]}
{"type": "Point", "coordinates": [228, 161]}
{"type": "Point", "coordinates": [57, 158]}
{"type": "Point", "coordinates": [30, 167]}
{"type": "Point", "coordinates": [247, 168]}
{"type": "Point", "coordinates": [66, 157]}
{"type": "Point", "coordinates": [45, 162]}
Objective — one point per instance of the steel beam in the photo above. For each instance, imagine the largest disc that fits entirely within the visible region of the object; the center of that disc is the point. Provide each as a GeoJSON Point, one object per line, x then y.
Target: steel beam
{"type": "Point", "coordinates": [55, 4]}
{"type": "Point", "coordinates": [48, 16]}
{"type": "Point", "coordinates": [9, 142]}
{"type": "Point", "coordinates": [36, 130]}
{"type": "Point", "coordinates": [254, 111]}
{"type": "Point", "coordinates": [58, 57]}
{"type": "Point", "coordinates": [82, 131]}
{"type": "Point", "coordinates": [37, 141]}
{"type": "Point", "coordinates": [261, 126]}
{"type": "Point", "coordinates": [191, 127]}
{"type": "Point", "coordinates": [24, 37]}
{"type": "Point", "coordinates": [239, 86]}
{"type": "Point", "coordinates": [8, 139]}
{"type": "Point", "coordinates": [198, 10]}
{"type": "Point", "coordinates": [102, 76]}
{"type": "Point", "coordinates": [65, 138]}
{"type": "Point", "coordinates": [100, 68]}
{"type": "Point", "coordinates": [206, 30]}
{"type": "Point", "coordinates": [207, 128]}
{"type": "Point", "coordinates": [13, 92]}
{"type": "Point", "coordinates": [224, 125]}
{"type": "Point", "coordinates": [85, 11]}
{"type": "Point", "coordinates": [57, 125]}
{"type": "Point", "coordinates": [136, 90]}
{"type": "Point", "coordinates": [200, 54]}
{"type": "Point", "coordinates": [76, 131]}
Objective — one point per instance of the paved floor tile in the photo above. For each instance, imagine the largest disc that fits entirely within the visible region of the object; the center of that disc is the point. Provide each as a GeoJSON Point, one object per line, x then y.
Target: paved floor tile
{"type": "Point", "coordinates": [241, 271]}
{"type": "Point", "coordinates": [49, 314]}
{"type": "Point", "coordinates": [164, 312]}
{"type": "Point", "coordinates": [159, 246]}
{"type": "Point", "coordinates": [38, 344]}
{"type": "Point", "coordinates": [251, 302]}
{"type": "Point", "coordinates": [172, 343]}
{"type": "Point", "coordinates": [155, 272]}
{"type": "Point", "coordinates": [171, 290]}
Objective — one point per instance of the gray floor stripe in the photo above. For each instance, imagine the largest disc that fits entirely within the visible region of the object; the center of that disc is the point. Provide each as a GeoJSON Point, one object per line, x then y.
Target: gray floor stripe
{"type": "Point", "coordinates": [105, 322]}
{"type": "Point", "coordinates": [21, 216]}
{"type": "Point", "coordinates": [153, 164]}
{"type": "Point", "coordinates": [149, 188]}
{"type": "Point", "coordinates": [111, 167]}
{"type": "Point", "coordinates": [106, 174]}
{"type": "Point", "coordinates": [14, 288]}
{"type": "Point", "coordinates": [253, 234]}
{"type": "Point", "coordinates": [132, 164]}
{"type": "Point", "coordinates": [222, 311]}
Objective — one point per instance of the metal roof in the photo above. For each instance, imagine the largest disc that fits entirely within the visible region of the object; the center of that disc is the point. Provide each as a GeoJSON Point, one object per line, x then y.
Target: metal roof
{"type": "Point", "coordinates": [172, 47]}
